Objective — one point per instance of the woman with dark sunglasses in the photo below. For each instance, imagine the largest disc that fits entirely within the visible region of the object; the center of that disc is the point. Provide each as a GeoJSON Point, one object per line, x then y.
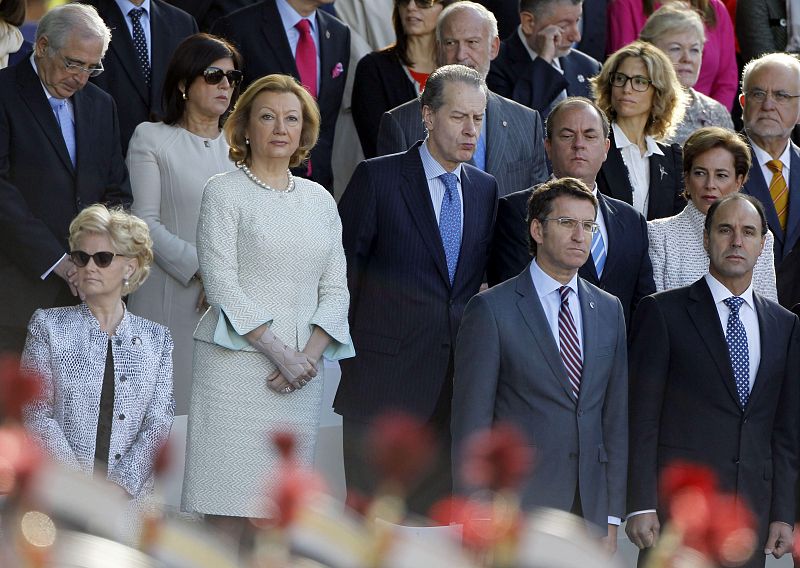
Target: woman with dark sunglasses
{"type": "Point", "coordinates": [169, 164]}
{"type": "Point", "coordinates": [107, 374]}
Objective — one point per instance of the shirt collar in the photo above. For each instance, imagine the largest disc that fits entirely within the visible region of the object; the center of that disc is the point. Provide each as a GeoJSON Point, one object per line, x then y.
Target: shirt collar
{"type": "Point", "coordinates": [434, 169]}
{"type": "Point", "coordinates": [719, 292]}
{"type": "Point", "coordinates": [545, 284]}
{"type": "Point", "coordinates": [763, 157]}
{"type": "Point", "coordinates": [290, 16]}
{"type": "Point", "coordinates": [126, 6]}
{"type": "Point", "coordinates": [36, 70]}
{"type": "Point", "coordinates": [621, 141]}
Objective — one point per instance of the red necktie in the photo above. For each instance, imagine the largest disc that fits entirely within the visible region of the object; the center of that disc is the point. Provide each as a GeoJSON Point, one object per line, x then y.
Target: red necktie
{"type": "Point", "coordinates": [306, 57]}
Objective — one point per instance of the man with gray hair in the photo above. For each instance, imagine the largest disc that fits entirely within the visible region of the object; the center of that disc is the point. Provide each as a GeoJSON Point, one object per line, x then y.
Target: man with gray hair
{"type": "Point", "coordinates": [416, 228]}
{"type": "Point", "coordinates": [770, 101]}
{"type": "Point", "coordinates": [59, 152]}
{"type": "Point", "coordinates": [537, 66]}
{"type": "Point", "coordinates": [510, 144]}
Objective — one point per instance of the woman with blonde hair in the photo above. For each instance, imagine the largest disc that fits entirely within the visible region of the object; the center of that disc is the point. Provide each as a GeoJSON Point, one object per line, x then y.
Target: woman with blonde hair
{"type": "Point", "coordinates": [677, 30]}
{"type": "Point", "coordinates": [638, 90]}
{"type": "Point", "coordinates": [107, 374]}
{"type": "Point", "coordinates": [270, 251]}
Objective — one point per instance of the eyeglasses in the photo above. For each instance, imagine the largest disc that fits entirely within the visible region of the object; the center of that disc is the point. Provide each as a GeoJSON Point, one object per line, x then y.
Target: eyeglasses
{"type": "Point", "coordinates": [213, 75]}
{"type": "Point", "coordinates": [75, 68]}
{"type": "Point", "coordinates": [422, 4]}
{"type": "Point", "coordinates": [101, 259]}
{"type": "Point", "coordinates": [760, 95]}
{"type": "Point", "coordinates": [569, 223]}
{"type": "Point", "coordinates": [638, 83]}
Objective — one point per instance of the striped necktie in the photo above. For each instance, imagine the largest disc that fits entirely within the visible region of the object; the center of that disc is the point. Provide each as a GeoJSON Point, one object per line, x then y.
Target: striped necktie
{"type": "Point", "coordinates": [598, 252]}
{"type": "Point", "coordinates": [569, 345]}
{"type": "Point", "coordinates": [779, 192]}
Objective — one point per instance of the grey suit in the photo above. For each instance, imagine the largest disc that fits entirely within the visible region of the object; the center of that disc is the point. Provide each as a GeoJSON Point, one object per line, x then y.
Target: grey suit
{"type": "Point", "coordinates": [514, 140]}
{"type": "Point", "coordinates": [508, 368]}
{"type": "Point", "coordinates": [761, 27]}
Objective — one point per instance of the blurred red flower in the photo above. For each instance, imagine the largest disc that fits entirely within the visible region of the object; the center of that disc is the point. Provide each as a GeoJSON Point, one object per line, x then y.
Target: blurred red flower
{"type": "Point", "coordinates": [285, 443]}
{"type": "Point", "coordinates": [401, 447]}
{"type": "Point", "coordinates": [20, 458]}
{"type": "Point", "coordinates": [732, 534]}
{"type": "Point", "coordinates": [18, 388]}
{"type": "Point", "coordinates": [497, 459]}
{"type": "Point", "coordinates": [688, 490]}
{"type": "Point", "coordinates": [483, 524]}
{"type": "Point", "coordinates": [296, 486]}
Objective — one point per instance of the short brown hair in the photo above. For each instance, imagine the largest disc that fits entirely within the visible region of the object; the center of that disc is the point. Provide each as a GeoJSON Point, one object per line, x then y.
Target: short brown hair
{"type": "Point", "coordinates": [540, 203]}
{"type": "Point", "coordinates": [707, 138]}
{"type": "Point", "coordinates": [236, 124]}
{"type": "Point", "coordinates": [668, 101]}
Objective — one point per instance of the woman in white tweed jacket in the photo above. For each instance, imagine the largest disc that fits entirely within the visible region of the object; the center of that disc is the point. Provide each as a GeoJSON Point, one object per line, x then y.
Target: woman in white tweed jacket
{"type": "Point", "coordinates": [107, 374]}
{"type": "Point", "coordinates": [716, 162]}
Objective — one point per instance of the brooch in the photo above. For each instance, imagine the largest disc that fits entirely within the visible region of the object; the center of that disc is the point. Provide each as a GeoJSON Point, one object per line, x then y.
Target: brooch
{"type": "Point", "coordinates": [662, 171]}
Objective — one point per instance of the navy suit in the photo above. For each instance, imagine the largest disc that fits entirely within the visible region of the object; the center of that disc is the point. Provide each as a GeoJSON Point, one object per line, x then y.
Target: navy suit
{"type": "Point", "coordinates": [666, 180]}
{"type": "Point", "coordinates": [534, 82]}
{"type": "Point", "coordinates": [123, 78]}
{"type": "Point", "coordinates": [258, 32]}
{"type": "Point", "coordinates": [684, 404]}
{"type": "Point", "coordinates": [627, 274]}
{"type": "Point", "coordinates": [41, 191]}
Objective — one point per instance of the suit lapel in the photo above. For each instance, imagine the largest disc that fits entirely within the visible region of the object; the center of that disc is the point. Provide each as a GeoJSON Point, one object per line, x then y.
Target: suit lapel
{"type": "Point", "coordinates": [84, 127]}
{"type": "Point", "coordinates": [614, 230]}
{"type": "Point", "coordinates": [418, 199]}
{"type": "Point", "coordinates": [615, 174]}
{"type": "Point", "coordinates": [496, 135]}
{"type": "Point", "coordinates": [589, 324]}
{"type": "Point", "coordinates": [469, 234]}
{"type": "Point", "coordinates": [122, 46]}
{"type": "Point", "coordinates": [793, 222]}
{"type": "Point", "coordinates": [658, 200]}
{"type": "Point", "coordinates": [326, 62]}
{"type": "Point", "coordinates": [276, 39]}
{"type": "Point", "coordinates": [705, 317]}
{"type": "Point", "coordinates": [758, 187]}
{"type": "Point", "coordinates": [767, 327]}
{"type": "Point", "coordinates": [159, 54]}
{"type": "Point", "coordinates": [32, 94]}
{"type": "Point", "coordinates": [532, 312]}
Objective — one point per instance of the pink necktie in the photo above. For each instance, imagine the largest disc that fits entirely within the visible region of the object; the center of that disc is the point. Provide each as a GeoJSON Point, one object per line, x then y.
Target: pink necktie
{"type": "Point", "coordinates": [306, 57]}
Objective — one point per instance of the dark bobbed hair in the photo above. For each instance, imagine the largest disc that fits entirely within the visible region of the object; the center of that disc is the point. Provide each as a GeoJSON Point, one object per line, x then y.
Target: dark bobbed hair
{"type": "Point", "coordinates": [400, 45]}
{"type": "Point", "coordinates": [743, 196]}
{"type": "Point", "coordinates": [188, 62]}
{"type": "Point", "coordinates": [570, 102]}
{"type": "Point", "coordinates": [709, 137]}
{"type": "Point", "coordinates": [540, 203]}
{"type": "Point", "coordinates": [12, 12]}
{"type": "Point", "coordinates": [236, 125]}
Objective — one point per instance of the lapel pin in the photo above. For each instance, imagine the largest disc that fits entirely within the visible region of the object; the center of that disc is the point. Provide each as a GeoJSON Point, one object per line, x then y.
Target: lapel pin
{"type": "Point", "coordinates": [662, 171]}
{"type": "Point", "coordinates": [505, 123]}
{"type": "Point", "coordinates": [581, 79]}
{"type": "Point", "coordinates": [327, 34]}
{"type": "Point", "coordinates": [591, 305]}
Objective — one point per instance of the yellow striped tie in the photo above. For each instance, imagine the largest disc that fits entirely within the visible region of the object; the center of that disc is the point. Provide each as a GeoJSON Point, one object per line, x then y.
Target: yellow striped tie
{"type": "Point", "coordinates": [779, 192]}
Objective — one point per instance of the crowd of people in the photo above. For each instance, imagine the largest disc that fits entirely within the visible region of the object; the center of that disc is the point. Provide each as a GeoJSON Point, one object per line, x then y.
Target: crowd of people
{"type": "Point", "coordinates": [577, 243]}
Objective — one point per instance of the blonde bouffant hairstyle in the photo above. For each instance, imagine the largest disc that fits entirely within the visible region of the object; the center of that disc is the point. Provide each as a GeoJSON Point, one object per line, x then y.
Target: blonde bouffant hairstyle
{"type": "Point", "coordinates": [236, 125]}
{"type": "Point", "coordinates": [668, 100]}
{"type": "Point", "coordinates": [128, 234]}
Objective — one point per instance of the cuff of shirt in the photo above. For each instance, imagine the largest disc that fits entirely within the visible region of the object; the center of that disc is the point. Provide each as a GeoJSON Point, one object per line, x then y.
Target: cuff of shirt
{"type": "Point", "coordinates": [639, 513]}
{"type": "Point", "coordinates": [614, 521]}
{"type": "Point", "coordinates": [49, 270]}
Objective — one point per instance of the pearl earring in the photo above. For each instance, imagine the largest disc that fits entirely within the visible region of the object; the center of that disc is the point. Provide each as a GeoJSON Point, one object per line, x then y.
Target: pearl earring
{"type": "Point", "coordinates": [183, 95]}
{"type": "Point", "coordinates": [247, 141]}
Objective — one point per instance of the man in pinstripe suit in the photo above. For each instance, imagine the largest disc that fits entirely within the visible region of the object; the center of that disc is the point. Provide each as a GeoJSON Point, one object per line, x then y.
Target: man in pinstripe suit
{"type": "Point", "coordinates": [511, 145]}
{"type": "Point", "coordinates": [416, 233]}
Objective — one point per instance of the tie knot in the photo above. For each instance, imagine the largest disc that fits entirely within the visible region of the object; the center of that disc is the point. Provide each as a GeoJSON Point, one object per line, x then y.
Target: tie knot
{"type": "Point", "coordinates": [450, 181]}
{"type": "Point", "coordinates": [136, 14]}
{"type": "Point", "coordinates": [775, 166]}
{"type": "Point", "coordinates": [564, 293]}
{"type": "Point", "coordinates": [734, 303]}
{"type": "Point", "coordinates": [304, 26]}
{"type": "Point", "coordinates": [57, 104]}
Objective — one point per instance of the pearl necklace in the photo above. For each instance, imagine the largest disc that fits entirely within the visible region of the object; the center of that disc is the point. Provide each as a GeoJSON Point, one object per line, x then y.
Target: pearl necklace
{"type": "Point", "coordinates": [258, 182]}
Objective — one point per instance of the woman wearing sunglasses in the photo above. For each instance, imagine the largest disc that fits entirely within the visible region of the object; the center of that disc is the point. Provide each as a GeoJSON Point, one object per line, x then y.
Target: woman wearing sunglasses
{"type": "Point", "coordinates": [395, 75]}
{"type": "Point", "coordinates": [107, 374]}
{"type": "Point", "coordinates": [639, 91]}
{"type": "Point", "coordinates": [169, 163]}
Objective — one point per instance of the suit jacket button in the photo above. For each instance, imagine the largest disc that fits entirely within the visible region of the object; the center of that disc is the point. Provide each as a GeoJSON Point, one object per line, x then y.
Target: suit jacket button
{"type": "Point", "coordinates": [117, 456]}
{"type": "Point", "coordinates": [736, 461]}
{"type": "Point", "coordinates": [580, 413]}
{"type": "Point", "coordinates": [122, 416]}
{"type": "Point", "coordinates": [573, 456]}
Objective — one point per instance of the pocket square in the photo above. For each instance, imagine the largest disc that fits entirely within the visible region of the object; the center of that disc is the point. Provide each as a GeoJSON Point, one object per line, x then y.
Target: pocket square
{"type": "Point", "coordinates": [338, 69]}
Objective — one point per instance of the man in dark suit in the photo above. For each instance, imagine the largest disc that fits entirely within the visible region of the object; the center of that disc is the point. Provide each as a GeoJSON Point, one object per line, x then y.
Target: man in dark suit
{"type": "Point", "coordinates": [577, 143]}
{"type": "Point", "coordinates": [272, 38]}
{"type": "Point", "coordinates": [416, 232]}
{"type": "Point", "coordinates": [59, 152]}
{"type": "Point", "coordinates": [769, 116]}
{"type": "Point", "coordinates": [713, 380]}
{"type": "Point", "coordinates": [537, 66]}
{"type": "Point", "coordinates": [510, 147]}
{"type": "Point", "coordinates": [546, 352]}
{"type": "Point", "coordinates": [143, 37]}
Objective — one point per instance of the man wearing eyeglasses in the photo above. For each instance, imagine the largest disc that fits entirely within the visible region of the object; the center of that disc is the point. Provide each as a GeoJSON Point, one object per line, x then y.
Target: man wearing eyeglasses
{"type": "Point", "coordinates": [537, 65]}
{"type": "Point", "coordinates": [144, 33]}
{"type": "Point", "coordinates": [771, 107]}
{"type": "Point", "coordinates": [59, 153]}
{"type": "Point", "coordinates": [546, 352]}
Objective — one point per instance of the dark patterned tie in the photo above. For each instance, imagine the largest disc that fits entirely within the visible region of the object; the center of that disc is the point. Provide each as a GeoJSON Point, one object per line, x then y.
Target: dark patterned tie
{"type": "Point", "coordinates": [140, 42]}
{"type": "Point", "coordinates": [569, 344]}
{"type": "Point", "coordinates": [736, 337]}
{"type": "Point", "coordinates": [450, 222]}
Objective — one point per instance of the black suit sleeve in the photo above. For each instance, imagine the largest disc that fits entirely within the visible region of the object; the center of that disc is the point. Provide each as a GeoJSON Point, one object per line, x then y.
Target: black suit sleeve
{"type": "Point", "coordinates": [369, 102]}
{"type": "Point", "coordinates": [118, 188]}
{"type": "Point", "coordinates": [391, 138]}
{"type": "Point", "coordinates": [677, 166]}
{"type": "Point", "coordinates": [509, 252]}
{"type": "Point", "coordinates": [648, 367]}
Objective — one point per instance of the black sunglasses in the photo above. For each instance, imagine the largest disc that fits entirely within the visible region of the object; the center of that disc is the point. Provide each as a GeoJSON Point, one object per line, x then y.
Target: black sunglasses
{"type": "Point", "coordinates": [213, 75]}
{"type": "Point", "coordinates": [101, 259]}
{"type": "Point", "coordinates": [423, 4]}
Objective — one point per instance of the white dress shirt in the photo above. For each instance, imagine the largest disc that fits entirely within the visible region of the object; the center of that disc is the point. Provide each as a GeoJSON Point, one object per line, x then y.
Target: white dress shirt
{"type": "Point", "coordinates": [638, 165]}
{"type": "Point", "coordinates": [433, 170]}
{"type": "Point", "coordinates": [290, 17]}
{"type": "Point", "coordinates": [125, 7]}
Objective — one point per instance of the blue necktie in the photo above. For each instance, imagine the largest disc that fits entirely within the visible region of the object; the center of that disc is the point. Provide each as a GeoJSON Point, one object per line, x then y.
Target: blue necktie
{"type": "Point", "coordinates": [736, 337]}
{"type": "Point", "coordinates": [479, 157]}
{"type": "Point", "coordinates": [140, 41]}
{"type": "Point", "coordinates": [65, 122]}
{"type": "Point", "coordinates": [450, 222]}
{"type": "Point", "coordinates": [598, 252]}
